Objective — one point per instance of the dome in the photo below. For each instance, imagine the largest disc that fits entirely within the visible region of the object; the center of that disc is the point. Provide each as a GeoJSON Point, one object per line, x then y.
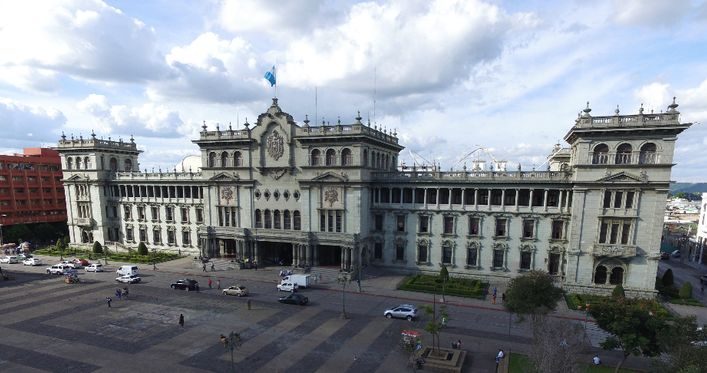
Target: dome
{"type": "Point", "coordinates": [190, 163]}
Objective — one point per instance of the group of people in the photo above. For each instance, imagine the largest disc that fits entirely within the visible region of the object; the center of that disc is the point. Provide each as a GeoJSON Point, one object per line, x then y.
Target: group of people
{"type": "Point", "coordinates": [119, 293]}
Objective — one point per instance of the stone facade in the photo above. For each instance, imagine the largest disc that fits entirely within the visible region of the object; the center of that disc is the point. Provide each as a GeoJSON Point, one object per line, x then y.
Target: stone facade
{"type": "Point", "coordinates": [333, 195]}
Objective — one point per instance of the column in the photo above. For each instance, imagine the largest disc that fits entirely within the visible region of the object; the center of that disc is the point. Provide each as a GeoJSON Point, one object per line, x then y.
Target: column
{"type": "Point", "coordinates": [488, 199]}
{"type": "Point", "coordinates": [425, 198]}
{"type": "Point", "coordinates": [530, 202]}
{"type": "Point", "coordinates": [545, 200]}
{"type": "Point", "coordinates": [294, 254]}
{"type": "Point", "coordinates": [463, 198]}
{"type": "Point", "coordinates": [256, 255]}
{"type": "Point", "coordinates": [476, 198]}
{"type": "Point", "coordinates": [450, 198]}
{"type": "Point", "coordinates": [343, 261]}
{"type": "Point", "coordinates": [308, 254]}
{"type": "Point", "coordinates": [503, 198]}
{"type": "Point", "coordinates": [437, 199]}
{"type": "Point", "coordinates": [401, 195]}
{"type": "Point", "coordinates": [315, 250]}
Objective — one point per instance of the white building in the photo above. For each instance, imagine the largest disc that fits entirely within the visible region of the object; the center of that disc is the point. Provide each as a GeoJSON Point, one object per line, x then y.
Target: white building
{"type": "Point", "coordinates": [332, 195]}
{"type": "Point", "coordinates": [697, 252]}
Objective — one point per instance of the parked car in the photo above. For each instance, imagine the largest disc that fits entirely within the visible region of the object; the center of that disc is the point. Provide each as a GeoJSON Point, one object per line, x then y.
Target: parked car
{"type": "Point", "coordinates": [403, 311]}
{"type": "Point", "coordinates": [287, 286]}
{"type": "Point", "coordinates": [81, 262]}
{"type": "Point", "coordinates": [95, 267]}
{"type": "Point", "coordinates": [32, 262]}
{"type": "Point", "coordinates": [185, 284]}
{"type": "Point", "coordinates": [72, 264]}
{"type": "Point", "coordinates": [23, 256]}
{"type": "Point", "coordinates": [58, 269]}
{"type": "Point", "coordinates": [9, 259]}
{"type": "Point", "coordinates": [664, 256]}
{"type": "Point", "coordinates": [294, 298]}
{"type": "Point", "coordinates": [676, 254]}
{"type": "Point", "coordinates": [237, 290]}
{"type": "Point", "coordinates": [128, 279]}
{"type": "Point", "coordinates": [127, 270]}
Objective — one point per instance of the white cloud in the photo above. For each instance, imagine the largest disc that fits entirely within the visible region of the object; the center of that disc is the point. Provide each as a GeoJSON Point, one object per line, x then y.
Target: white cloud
{"type": "Point", "coordinates": [650, 13]}
{"type": "Point", "coordinates": [149, 119]}
{"type": "Point", "coordinates": [24, 125]}
{"type": "Point", "coordinates": [268, 16]}
{"type": "Point", "coordinates": [654, 96]}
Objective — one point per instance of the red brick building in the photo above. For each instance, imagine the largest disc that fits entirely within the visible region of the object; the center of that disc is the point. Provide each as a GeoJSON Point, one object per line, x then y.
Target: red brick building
{"type": "Point", "coordinates": [31, 190]}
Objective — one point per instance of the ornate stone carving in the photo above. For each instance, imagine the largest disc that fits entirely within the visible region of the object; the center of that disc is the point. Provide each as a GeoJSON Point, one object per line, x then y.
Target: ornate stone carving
{"type": "Point", "coordinates": [275, 145]}
{"type": "Point", "coordinates": [614, 251]}
{"type": "Point", "coordinates": [331, 195]}
{"type": "Point", "coordinates": [227, 194]}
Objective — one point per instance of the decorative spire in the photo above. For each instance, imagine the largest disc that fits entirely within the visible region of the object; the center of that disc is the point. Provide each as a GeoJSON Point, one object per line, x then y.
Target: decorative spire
{"type": "Point", "coordinates": [63, 136]}
{"type": "Point", "coordinates": [587, 110]}
{"type": "Point", "coordinates": [306, 120]}
{"type": "Point", "coordinates": [230, 129]}
{"type": "Point", "coordinates": [672, 107]}
{"type": "Point", "coordinates": [358, 117]}
{"type": "Point", "coordinates": [640, 111]}
{"type": "Point", "coordinates": [217, 128]}
{"type": "Point", "coordinates": [72, 136]}
{"type": "Point", "coordinates": [204, 126]}
{"type": "Point", "coordinates": [93, 135]}
{"type": "Point", "coordinates": [617, 111]}
{"type": "Point", "coordinates": [132, 139]}
{"type": "Point", "coordinates": [246, 124]}
{"type": "Point", "coordinates": [338, 120]}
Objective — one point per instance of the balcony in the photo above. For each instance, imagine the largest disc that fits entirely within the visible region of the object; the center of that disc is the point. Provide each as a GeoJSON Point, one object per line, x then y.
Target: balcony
{"type": "Point", "coordinates": [613, 251]}
{"type": "Point", "coordinates": [83, 222]}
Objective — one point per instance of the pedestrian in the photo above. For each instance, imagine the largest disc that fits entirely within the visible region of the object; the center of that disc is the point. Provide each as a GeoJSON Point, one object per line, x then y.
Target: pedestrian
{"type": "Point", "coordinates": [702, 288]}
{"type": "Point", "coordinates": [213, 267]}
{"type": "Point", "coordinates": [493, 298]}
{"type": "Point", "coordinates": [203, 267]}
{"type": "Point", "coordinates": [503, 297]}
{"type": "Point", "coordinates": [459, 344]}
{"type": "Point", "coordinates": [125, 292]}
{"type": "Point", "coordinates": [358, 281]}
{"type": "Point", "coordinates": [154, 266]}
{"type": "Point", "coordinates": [495, 291]}
{"type": "Point", "coordinates": [181, 320]}
{"type": "Point", "coordinates": [118, 293]}
{"type": "Point", "coordinates": [209, 282]}
{"type": "Point", "coordinates": [255, 264]}
{"type": "Point", "coordinates": [218, 284]}
{"type": "Point", "coordinates": [108, 300]}
{"type": "Point", "coordinates": [596, 360]}
{"type": "Point", "coordinates": [499, 356]}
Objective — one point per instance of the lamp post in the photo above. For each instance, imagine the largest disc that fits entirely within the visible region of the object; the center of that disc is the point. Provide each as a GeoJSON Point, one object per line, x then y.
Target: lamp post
{"type": "Point", "coordinates": [343, 279]}
{"type": "Point", "coordinates": [1, 242]}
{"type": "Point", "coordinates": [586, 316]}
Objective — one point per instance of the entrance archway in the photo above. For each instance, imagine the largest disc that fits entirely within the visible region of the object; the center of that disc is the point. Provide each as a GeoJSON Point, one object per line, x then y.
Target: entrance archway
{"type": "Point", "coordinates": [271, 253]}
{"type": "Point", "coordinates": [329, 255]}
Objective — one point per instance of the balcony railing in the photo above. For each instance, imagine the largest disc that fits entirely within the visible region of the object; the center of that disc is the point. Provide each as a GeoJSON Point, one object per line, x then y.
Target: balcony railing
{"type": "Point", "coordinates": [83, 222]}
{"type": "Point", "coordinates": [613, 251]}
{"type": "Point", "coordinates": [624, 158]}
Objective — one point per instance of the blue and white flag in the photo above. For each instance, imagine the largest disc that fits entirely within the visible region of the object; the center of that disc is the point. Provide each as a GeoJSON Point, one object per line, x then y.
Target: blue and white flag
{"type": "Point", "coordinates": [270, 76]}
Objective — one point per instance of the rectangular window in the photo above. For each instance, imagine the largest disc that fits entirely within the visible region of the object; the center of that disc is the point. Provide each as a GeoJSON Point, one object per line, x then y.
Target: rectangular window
{"type": "Point", "coordinates": [156, 237]}
{"type": "Point", "coordinates": [127, 210]}
{"type": "Point", "coordinates": [422, 253]}
{"type": "Point", "coordinates": [509, 198]}
{"type": "Point", "coordinates": [629, 200]}
{"type": "Point", "coordinates": [322, 221]}
{"type": "Point", "coordinates": [424, 224]}
{"type": "Point", "coordinates": [400, 252]}
{"type": "Point", "coordinates": [169, 213]}
{"type": "Point", "coordinates": [296, 221]}
{"type": "Point", "coordinates": [496, 195]}
{"type": "Point", "coordinates": [378, 251]}
{"type": "Point", "coordinates": [447, 255]}
{"type": "Point", "coordinates": [171, 239]}
{"type": "Point", "coordinates": [553, 266]}
{"type": "Point", "coordinates": [378, 220]}
{"type": "Point", "coordinates": [330, 215]}
{"type": "Point", "coordinates": [524, 197]}
{"type": "Point", "coordinates": [483, 196]}
{"type": "Point", "coordinates": [199, 215]}
{"type": "Point", "coordinates": [498, 258]}
{"type": "Point", "coordinates": [400, 223]}
{"type": "Point", "coordinates": [471, 256]}
{"type": "Point", "coordinates": [143, 235]}
{"type": "Point", "coordinates": [607, 199]}
{"type": "Point", "coordinates": [474, 225]}
{"type": "Point", "coordinates": [501, 227]}
{"type": "Point", "coordinates": [525, 258]}
{"type": "Point", "coordinates": [287, 221]}
{"type": "Point", "coordinates": [141, 213]}
{"type": "Point", "coordinates": [419, 196]}
{"type": "Point", "coordinates": [185, 214]}
{"type": "Point", "coordinates": [528, 228]}
{"type": "Point", "coordinates": [186, 238]}
{"type": "Point", "coordinates": [339, 220]}
{"type": "Point", "coordinates": [449, 225]}
{"type": "Point", "coordinates": [557, 226]}
{"type": "Point", "coordinates": [614, 233]}
{"type": "Point", "coordinates": [617, 199]}
{"type": "Point", "coordinates": [625, 233]}
{"type": "Point", "coordinates": [602, 232]}
{"type": "Point", "coordinates": [129, 234]}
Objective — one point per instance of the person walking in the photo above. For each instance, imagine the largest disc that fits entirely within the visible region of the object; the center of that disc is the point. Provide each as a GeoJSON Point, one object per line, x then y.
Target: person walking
{"type": "Point", "coordinates": [213, 267]}
{"type": "Point", "coordinates": [203, 267]}
{"type": "Point", "coordinates": [108, 300]}
{"type": "Point", "coordinates": [209, 282]}
{"type": "Point", "coordinates": [118, 293]}
{"type": "Point", "coordinates": [218, 284]}
{"type": "Point", "coordinates": [493, 298]}
{"type": "Point", "coordinates": [596, 360]}
{"type": "Point", "coordinates": [125, 292]}
{"type": "Point", "coordinates": [255, 264]}
{"type": "Point", "coordinates": [499, 356]}
{"type": "Point", "coordinates": [181, 320]}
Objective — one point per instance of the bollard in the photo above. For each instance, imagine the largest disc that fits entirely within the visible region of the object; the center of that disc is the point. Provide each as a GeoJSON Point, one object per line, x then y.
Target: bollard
{"type": "Point", "coordinates": [248, 304]}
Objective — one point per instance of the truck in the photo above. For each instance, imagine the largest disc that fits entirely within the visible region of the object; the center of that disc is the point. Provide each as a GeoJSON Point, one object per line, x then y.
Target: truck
{"type": "Point", "coordinates": [302, 281]}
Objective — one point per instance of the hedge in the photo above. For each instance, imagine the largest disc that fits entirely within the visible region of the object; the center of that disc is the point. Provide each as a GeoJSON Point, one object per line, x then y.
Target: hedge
{"type": "Point", "coordinates": [462, 287]}
{"type": "Point", "coordinates": [131, 256]}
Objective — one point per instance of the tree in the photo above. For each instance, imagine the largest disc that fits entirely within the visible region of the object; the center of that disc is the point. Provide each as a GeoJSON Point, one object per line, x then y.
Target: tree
{"type": "Point", "coordinates": [681, 355]}
{"type": "Point", "coordinates": [142, 248]}
{"type": "Point", "coordinates": [60, 248]}
{"type": "Point", "coordinates": [532, 294]}
{"type": "Point", "coordinates": [686, 290]}
{"type": "Point", "coordinates": [434, 326]}
{"type": "Point", "coordinates": [618, 292]}
{"type": "Point", "coordinates": [97, 248]}
{"type": "Point", "coordinates": [16, 233]}
{"type": "Point", "coordinates": [634, 326]}
{"type": "Point", "coordinates": [668, 280]}
{"type": "Point", "coordinates": [443, 277]}
{"type": "Point", "coordinates": [557, 346]}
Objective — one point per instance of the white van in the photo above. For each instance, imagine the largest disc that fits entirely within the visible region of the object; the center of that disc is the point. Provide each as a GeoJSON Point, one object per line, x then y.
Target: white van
{"type": "Point", "coordinates": [127, 270]}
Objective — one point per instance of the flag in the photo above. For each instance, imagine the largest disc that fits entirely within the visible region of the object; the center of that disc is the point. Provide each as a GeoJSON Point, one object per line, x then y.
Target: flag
{"type": "Point", "coordinates": [270, 76]}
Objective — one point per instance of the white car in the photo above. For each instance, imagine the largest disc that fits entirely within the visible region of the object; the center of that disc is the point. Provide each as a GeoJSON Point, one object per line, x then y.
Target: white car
{"type": "Point", "coordinates": [32, 262]}
{"type": "Point", "coordinates": [72, 264]}
{"type": "Point", "coordinates": [9, 259]}
{"type": "Point", "coordinates": [287, 286]}
{"type": "Point", "coordinates": [237, 290]}
{"type": "Point", "coordinates": [95, 267]}
{"type": "Point", "coordinates": [128, 279]}
{"type": "Point", "coordinates": [58, 269]}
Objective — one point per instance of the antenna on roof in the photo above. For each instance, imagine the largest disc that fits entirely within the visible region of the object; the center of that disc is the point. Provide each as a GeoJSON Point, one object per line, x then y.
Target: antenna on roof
{"type": "Point", "coordinates": [315, 105]}
{"type": "Point", "coordinates": [375, 86]}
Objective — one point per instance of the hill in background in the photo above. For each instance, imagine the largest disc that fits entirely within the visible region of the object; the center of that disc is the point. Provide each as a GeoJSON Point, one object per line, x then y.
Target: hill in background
{"type": "Point", "coordinates": [687, 188]}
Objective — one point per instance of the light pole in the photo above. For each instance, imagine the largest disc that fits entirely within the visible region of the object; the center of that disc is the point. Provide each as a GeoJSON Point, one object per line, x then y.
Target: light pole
{"type": "Point", "coordinates": [1, 242]}
{"type": "Point", "coordinates": [343, 279]}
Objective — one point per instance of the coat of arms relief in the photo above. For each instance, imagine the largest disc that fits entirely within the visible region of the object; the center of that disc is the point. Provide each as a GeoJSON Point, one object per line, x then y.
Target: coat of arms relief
{"type": "Point", "coordinates": [275, 145]}
{"type": "Point", "coordinates": [331, 195]}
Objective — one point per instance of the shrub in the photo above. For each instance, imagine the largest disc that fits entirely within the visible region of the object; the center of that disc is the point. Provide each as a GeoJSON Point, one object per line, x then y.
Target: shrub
{"type": "Point", "coordinates": [668, 280]}
{"type": "Point", "coordinates": [142, 249]}
{"type": "Point", "coordinates": [686, 290]}
{"type": "Point", "coordinates": [97, 248]}
{"type": "Point", "coordinates": [618, 292]}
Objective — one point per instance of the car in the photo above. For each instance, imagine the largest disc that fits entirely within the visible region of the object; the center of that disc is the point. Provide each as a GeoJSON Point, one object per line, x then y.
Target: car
{"type": "Point", "coordinates": [294, 298]}
{"type": "Point", "coordinates": [72, 264]}
{"type": "Point", "coordinates": [287, 286]}
{"type": "Point", "coordinates": [237, 290]}
{"type": "Point", "coordinates": [185, 284]}
{"type": "Point", "coordinates": [664, 256]}
{"type": "Point", "coordinates": [403, 311]}
{"type": "Point", "coordinates": [676, 254]}
{"type": "Point", "coordinates": [128, 279]}
{"type": "Point", "coordinates": [58, 269]}
{"type": "Point", "coordinates": [95, 267]}
{"type": "Point", "coordinates": [23, 256]}
{"type": "Point", "coordinates": [32, 262]}
{"type": "Point", "coordinates": [703, 279]}
{"type": "Point", "coordinates": [9, 259]}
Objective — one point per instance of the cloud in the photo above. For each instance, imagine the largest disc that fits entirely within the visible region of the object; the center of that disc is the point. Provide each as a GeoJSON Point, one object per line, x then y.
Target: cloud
{"type": "Point", "coordinates": [83, 38]}
{"type": "Point", "coordinates": [652, 13]}
{"type": "Point", "coordinates": [654, 96]}
{"type": "Point", "coordinates": [149, 119]}
{"type": "Point", "coordinates": [24, 126]}
{"type": "Point", "coordinates": [268, 16]}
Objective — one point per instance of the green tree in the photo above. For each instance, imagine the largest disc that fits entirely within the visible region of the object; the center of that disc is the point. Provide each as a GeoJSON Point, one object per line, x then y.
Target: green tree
{"type": "Point", "coordinates": [97, 247]}
{"type": "Point", "coordinates": [635, 328]}
{"type": "Point", "coordinates": [434, 326]}
{"type": "Point", "coordinates": [668, 279]}
{"type": "Point", "coordinates": [16, 233]}
{"type": "Point", "coordinates": [618, 292]}
{"type": "Point", "coordinates": [43, 232]}
{"type": "Point", "coordinates": [59, 246]}
{"type": "Point", "coordinates": [686, 290]}
{"type": "Point", "coordinates": [680, 353]}
{"type": "Point", "coordinates": [142, 248]}
{"type": "Point", "coordinates": [443, 277]}
{"type": "Point", "coordinates": [532, 294]}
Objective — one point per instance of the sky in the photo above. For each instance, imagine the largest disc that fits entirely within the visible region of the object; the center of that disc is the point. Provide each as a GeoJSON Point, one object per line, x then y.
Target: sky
{"type": "Point", "coordinates": [449, 77]}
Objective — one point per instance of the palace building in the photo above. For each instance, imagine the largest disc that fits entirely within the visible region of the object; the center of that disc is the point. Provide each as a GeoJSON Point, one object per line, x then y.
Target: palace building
{"type": "Point", "coordinates": [333, 195]}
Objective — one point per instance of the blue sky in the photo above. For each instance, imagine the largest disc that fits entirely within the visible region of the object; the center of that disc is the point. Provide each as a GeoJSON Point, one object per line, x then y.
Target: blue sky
{"type": "Point", "coordinates": [449, 75]}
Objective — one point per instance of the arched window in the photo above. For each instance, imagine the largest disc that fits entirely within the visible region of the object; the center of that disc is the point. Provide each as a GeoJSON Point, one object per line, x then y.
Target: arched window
{"type": "Point", "coordinates": [113, 165]}
{"type": "Point", "coordinates": [600, 275]}
{"type": "Point", "coordinates": [85, 163]}
{"type": "Point", "coordinates": [224, 159]}
{"type": "Point", "coordinates": [316, 154]}
{"type": "Point", "coordinates": [365, 157]}
{"type": "Point", "coordinates": [276, 219]}
{"type": "Point", "coordinates": [296, 221]}
{"type": "Point", "coordinates": [623, 154]}
{"type": "Point", "coordinates": [238, 159]}
{"type": "Point", "coordinates": [268, 219]}
{"type": "Point", "coordinates": [288, 222]}
{"type": "Point", "coordinates": [648, 155]}
{"type": "Point", "coordinates": [601, 154]}
{"type": "Point", "coordinates": [617, 276]}
{"type": "Point", "coordinates": [128, 165]}
{"type": "Point", "coordinates": [258, 219]}
{"type": "Point", "coordinates": [330, 157]}
{"type": "Point", "coordinates": [78, 163]}
{"type": "Point", "coordinates": [346, 157]}
{"type": "Point", "coordinates": [212, 159]}
{"type": "Point", "coordinates": [69, 163]}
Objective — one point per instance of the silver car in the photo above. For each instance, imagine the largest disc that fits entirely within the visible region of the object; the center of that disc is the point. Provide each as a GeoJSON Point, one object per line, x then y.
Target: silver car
{"type": "Point", "coordinates": [403, 311]}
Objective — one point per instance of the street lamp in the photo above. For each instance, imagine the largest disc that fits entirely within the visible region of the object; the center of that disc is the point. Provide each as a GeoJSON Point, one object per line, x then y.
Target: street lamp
{"type": "Point", "coordinates": [344, 278]}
